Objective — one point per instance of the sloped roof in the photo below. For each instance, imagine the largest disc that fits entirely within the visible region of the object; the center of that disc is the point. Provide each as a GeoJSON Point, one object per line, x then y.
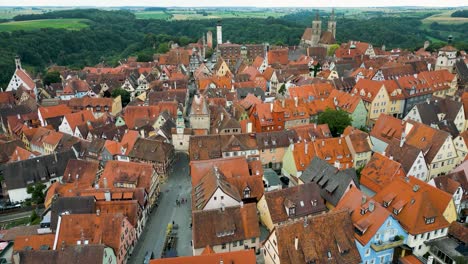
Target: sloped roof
{"type": "Point", "coordinates": [387, 128]}
{"type": "Point", "coordinates": [374, 218]}
{"type": "Point", "coordinates": [305, 197]}
{"type": "Point", "coordinates": [234, 257]}
{"type": "Point", "coordinates": [318, 237]}
{"type": "Point", "coordinates": [240, 222]}
{"type": "Point", "coordinates": [406, 154]}
{"type": "Point", "coordinates": [380, 171]}
{"type": "Point", "coordinates": [333, 183]}
{"type": "Point", "coordinates": [417, 201]}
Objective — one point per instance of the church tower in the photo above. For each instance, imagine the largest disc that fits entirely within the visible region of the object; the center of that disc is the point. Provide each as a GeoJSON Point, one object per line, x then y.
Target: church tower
{"type": "Point", "coordinates": [332, 23]}
{"type": "Point", "coordinates": [18, 62]}
{"type": "Point", "coordinates": [316, 30]}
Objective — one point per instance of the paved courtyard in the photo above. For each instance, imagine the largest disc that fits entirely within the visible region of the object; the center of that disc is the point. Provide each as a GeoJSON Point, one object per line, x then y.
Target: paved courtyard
{"type": "Point", "coordinates": [178, 186]}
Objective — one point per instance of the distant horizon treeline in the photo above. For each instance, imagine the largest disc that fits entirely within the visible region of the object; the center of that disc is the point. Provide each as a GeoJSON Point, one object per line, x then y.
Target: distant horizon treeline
{"type": "Point", "coordinates": [113, 35]}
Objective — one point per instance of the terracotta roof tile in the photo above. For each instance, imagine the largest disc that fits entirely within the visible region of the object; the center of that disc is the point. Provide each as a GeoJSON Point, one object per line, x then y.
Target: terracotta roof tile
{"type": "Point", "coordinates": [34, 242]}
{"type": "Point", "coordinates": [353, 201]}
{"type": "Point", "coordinates": [119, 173]}
{"type": "Point", "coordinates": [305, 198]}
{"type": "Point", "coordinates": [54, 111]}
{"type": "Point", "coordinates": [387, 128]}
{"type": "Point", "coordinates": [240, 222]}
{"type": "Point", "coordinates": [234, 257]}
{"type": "Point", "coordinates": [380, 171]}
{"type": "Point", "coordinates": [417, 201]}
{"type": "Point", "coordinates": [318, 237]}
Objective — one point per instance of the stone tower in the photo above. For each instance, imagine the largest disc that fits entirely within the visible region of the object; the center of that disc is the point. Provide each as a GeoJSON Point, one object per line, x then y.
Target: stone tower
{"type": "Point", "coordinates": [18, 62]}
{"type": "Point", "coordinates": [219, 33]}
{"type": "Point", "coordinates": [316, 29]}
{"type": "Point", "coordinates": [209, 39]}
{"type": "Point", "coordinates": [332, 23]}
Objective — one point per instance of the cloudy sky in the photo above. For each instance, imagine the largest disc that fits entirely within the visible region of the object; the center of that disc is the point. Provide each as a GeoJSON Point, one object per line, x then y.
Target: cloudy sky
{"type": "Point", "coordinates": [264, 3]}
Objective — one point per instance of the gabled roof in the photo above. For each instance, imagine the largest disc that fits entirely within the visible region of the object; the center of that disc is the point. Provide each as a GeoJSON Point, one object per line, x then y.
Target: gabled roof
{"type": "Point", "coordinates": [79, 254]}
{"type": "Point", "coordinates": [152, 150]}
{"type": "Point", "coordinates": [117, 173]}
{"type": "Point", "coordinates": [367, 89]}
{"type": "Point", "coordinates": [24, 76]}
{"type": "Point", "coordinates": [344, 101]}
{"type": "Point", "coordinates": [380, 171]}
{"type": "Point", "coordinates": [103, 229]}
{"type": "Point", "coordinates": [333, 183]}
{"type": "Point", "coordinates": [38, 169]}
{"type": "Point", "coordinates": [79, 118]}
{"type": "Point", "coordinates": [405, 154]}
{"type": "Point", "coordinates": [369, 222]}
{"type": "Point", "coordinates": [318, 238]}
{"type": "Point", "coordinates": [208, 185]}
{"type": "Point", "coordinates": [227, 225]}
{"type": "Point", "coordinates": [54, 111]}
{"type": "Point", "coordinates": [278, 56]}
{"type": "Point", "coordinates": [387, 128]}
{"type": "Point", "coordinates": [451, 182]}
{"type": "Point", "coordinates": [276, 139]}
{"type": "Point", "coordinates": [359, 140]}
{"type": "Point", "coordinates": [312, 131]}
{"type": "Point", "coordinates": [429, 140]}
{"type": "Point", "coordinates": [416, 202]}
{"type": "Point", "coordinates": [305, 198]}
{"type": "Point", "coordinates": [233, 257]}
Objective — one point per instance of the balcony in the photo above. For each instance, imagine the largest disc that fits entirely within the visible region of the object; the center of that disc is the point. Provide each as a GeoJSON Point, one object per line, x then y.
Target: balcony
{"type": "Point", "coordinates": [386, 245]}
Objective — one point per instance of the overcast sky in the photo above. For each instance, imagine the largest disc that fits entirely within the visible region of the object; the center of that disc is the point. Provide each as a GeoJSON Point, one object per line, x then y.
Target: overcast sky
{"type": "Point", "coordinates": [264, 3]}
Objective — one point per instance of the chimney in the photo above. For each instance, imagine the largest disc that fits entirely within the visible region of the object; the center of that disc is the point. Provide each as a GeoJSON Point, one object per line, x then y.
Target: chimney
{"type": "Point", "coordinates": [306, 147]}
{"type": "Point", "coordinates": [222, 116]}
{"type": "Point", "coordinates": [222, 207]}
{"type": "Point", "coordinates": [271, 107]}
{"type": "Point", "coordinates": [242, 204]}
{"type": "Point", "coordinates": [323, 143]}
{"type": "Point", "coordinates": [105, 182]}
{"type": "Point", "coordinates": [296, 101]}
{"type": "Point", "coordinates": [107, 196]}
{"type": "Point", "coordinates": [283, 103]}
{"type": "Point", "coordinates": [98, 212]}
{"type": "Point", "coordinates": [403, 139]}
{"type": "Point", "coordinates": [339, 141]}
{"type": "Point", "coordinates": [296, 242]}
{"type": "Point", "coordinates": [337, 164]}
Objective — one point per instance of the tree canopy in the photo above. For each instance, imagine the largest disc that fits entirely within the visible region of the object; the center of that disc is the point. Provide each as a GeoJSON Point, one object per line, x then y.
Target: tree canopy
{"type": "Point", "coordinates": [37, 192]}
{"type": "Point", "coordinates": [52, 77]}
{"type": "Point", "coordinates": [337, 120]}
{"type": "Point", "coordinates": [125, 95]}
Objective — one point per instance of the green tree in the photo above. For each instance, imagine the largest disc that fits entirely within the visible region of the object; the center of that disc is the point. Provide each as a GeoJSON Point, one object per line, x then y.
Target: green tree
{"type": "Point", "coordinates": [123, 93]}
{"type": "Point", "coordinates": [34, 219]}
{"type": "Point", "coordinates": [52, 77]}
{"type": "Point", "coordinates": [282, 89]}
{"type": "Point", "coordinates": [337, 120]}
{"type": "Point", "coordinates": [332, 49]}
{"type": "Point", "coordinates": [37, 192]}
{"type": "Point", "coordinates": [145, 56]}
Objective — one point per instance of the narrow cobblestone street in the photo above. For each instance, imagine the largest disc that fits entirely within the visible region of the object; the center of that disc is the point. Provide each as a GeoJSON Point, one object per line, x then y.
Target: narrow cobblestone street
{"type": "Point", "coordinates": [178, 186]}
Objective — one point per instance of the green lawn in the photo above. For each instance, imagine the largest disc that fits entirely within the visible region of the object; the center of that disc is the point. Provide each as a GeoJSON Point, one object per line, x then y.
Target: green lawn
{"type": "Point", "coordinates": [69, 23]}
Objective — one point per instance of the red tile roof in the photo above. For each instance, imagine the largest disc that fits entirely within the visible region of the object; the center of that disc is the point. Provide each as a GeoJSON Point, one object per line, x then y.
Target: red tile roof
{"type": "Point", "coordinates": [54, 111]}
{"type": "Point", "coordinates": [416, 201]}
{"type": "Point", "coordinates": [387, 128]}
{"type": "Point", "coordinates": [24, 76]}
{"type": "Point", "coordinates": [234, 257]}
{"type": "Point", "coordinates": [380, 171]}
{"type": "Point", "coordinates": [370, 222]}
{"type": "Point", "coordinates": [278, 56]}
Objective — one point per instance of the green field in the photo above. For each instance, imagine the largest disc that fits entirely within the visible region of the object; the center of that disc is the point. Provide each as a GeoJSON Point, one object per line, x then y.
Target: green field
{"type": "Point", "coordinates": [445, 18]}
{"type": "Point", "coordinates": [153, 15]}
{"type": "Point", "coordinates": [70, 23]}
{"type": "Point", "coordinates": [206, 14]}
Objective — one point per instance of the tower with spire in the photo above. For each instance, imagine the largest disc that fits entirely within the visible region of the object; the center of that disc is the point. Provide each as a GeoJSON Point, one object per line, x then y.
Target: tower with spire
{"type": "Point", "coordinates": [315, 37]}
{"type": "Point", "coordinates": [316, 29]}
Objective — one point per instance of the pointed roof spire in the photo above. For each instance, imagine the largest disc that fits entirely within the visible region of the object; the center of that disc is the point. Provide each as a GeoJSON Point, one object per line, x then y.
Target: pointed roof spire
{"type": "Point", "coordinates": [317, 16]}
{"type": "Point", "coordinates": [332, 16]}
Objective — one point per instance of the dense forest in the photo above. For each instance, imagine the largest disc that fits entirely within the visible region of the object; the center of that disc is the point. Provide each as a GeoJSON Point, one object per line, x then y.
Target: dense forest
{"type": "Point", "coordinates": [460, 13]}
{"type": "Point", "coordinates": [113, 35]}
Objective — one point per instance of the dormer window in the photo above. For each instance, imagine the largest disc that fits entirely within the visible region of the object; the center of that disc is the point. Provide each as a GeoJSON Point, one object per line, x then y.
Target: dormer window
{"type": "Point", "coordinates": [292, 211]}
{"type": "Point", "coordinates": [247, 192]}
{"type": "Point", "coordinates": [429, 220]}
